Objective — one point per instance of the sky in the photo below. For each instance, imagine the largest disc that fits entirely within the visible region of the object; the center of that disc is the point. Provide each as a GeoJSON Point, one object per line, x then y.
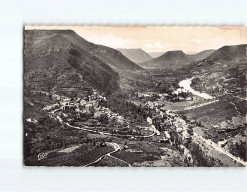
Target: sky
{"type": "Point", "coordinates": [190, 39]}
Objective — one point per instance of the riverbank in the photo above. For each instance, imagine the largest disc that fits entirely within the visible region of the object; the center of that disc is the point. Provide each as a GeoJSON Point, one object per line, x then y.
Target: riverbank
{"type": "Point", "coordinates": [185, 84]}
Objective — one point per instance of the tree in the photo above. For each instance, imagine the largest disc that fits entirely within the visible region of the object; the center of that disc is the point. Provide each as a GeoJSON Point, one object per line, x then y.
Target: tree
{"type": "Point", "coordinates": [104, 119]}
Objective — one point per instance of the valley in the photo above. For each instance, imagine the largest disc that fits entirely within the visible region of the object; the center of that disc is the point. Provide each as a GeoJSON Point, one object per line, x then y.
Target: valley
{"type": "Point", "coordinates": [91, 105]}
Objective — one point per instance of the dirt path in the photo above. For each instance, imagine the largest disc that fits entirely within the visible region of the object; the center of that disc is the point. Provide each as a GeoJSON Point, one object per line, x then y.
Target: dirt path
{"type": "Point", "coordinates": [116, 148]}
{"type": "Point", "coordinates": [199, 105]}
{"type": "Point", "coordinates": [70, 149]}
{"type": "Point", "coordinates": [100, 132]}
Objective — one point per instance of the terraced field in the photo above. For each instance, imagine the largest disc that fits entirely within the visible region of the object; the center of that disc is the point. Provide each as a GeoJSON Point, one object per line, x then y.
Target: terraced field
{"type": "Point", "coordinates": [79, 157]}
{"type": "Point", "coordinates": [212, 114]}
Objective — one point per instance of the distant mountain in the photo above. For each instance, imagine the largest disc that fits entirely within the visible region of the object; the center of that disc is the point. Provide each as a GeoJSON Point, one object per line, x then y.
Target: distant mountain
{"type": "Point", "coordinates": [201, 55]}
{"type": "Point", "coordinates": [223, 59]}
{"type": "Point", "coordinates": [169, 60]}
{"type": "Point", "coordinates": [156, 54]}
{"type": "Point", "coordinates": [228, 53]}
{"type": "Point", "coordinates": [55, 59]}
{"type": "Point", "coordinates": [175, 59]}
{"type": "Point", "coordinates": [136, 55]}
{"type": "Point", "coordinates": [222, 72]}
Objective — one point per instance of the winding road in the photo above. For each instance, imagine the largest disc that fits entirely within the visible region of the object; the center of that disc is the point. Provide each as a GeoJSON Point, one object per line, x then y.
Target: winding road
{"type": "Point", "coordinates": [101, 132]}
{"type": "Point", "coordinates": [218, 148]}
{"type": "Point", "coordinates": [186, 85]}
{"type": "Point", "coordinates": [116, 148]}
{"type": "Point", "coordinates": [200, 105]}
{"type": "Point", "coordinates": [114, 145]}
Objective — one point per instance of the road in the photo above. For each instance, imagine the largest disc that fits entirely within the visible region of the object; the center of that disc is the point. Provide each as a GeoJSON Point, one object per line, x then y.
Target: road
{"type": "Point", "coordinates": [219, 149]}
{"type": "Point", "coordinates": [114, 145]}
{"type": "Point", "coordinates": [116, 148]}
{"type": "Point", "coordinates": [245, 99]}
{"type": "Point", "coordinates": [186, 84]}
{"type": "Point", "coordinates": [200, 105]}
{"type": "Point", "coordinates": [101, 132]}
{"type": "Point", "coordinates": [241, 98]}
{"type": "Point", "coordinates": [105, 133]}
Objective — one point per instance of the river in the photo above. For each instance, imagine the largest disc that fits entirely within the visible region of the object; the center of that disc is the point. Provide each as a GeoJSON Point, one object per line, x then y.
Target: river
{"type": "Point", "coordinates": [186, 85]}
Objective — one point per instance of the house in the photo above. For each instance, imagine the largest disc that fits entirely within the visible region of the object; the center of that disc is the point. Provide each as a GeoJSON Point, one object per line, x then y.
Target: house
{"type": "Point", "coordinates": [162, 114]}
{"type": "Point", "coordinates": [120, 120]}
{"type": "Point", "coordinates": [185, 135]}
{"type": "Point", "coordinates": [83, 102]}
{"type": "Point", "coordinates": [222, 143]}
{"type": "Point", "coordinates": [157, 133]}
{"type": "Point", "coordinates": [56, 97]}
{"type": "Point", "coordinates": [31, 120]}
{"type": "Point", "coordinates": [94, 103]}
{"type": "Point", "coordinates": [97, 114]}
{"type": "Point", "coordinates": [149, 120]}
{"type": "Point", "coordinates": [180, 98]}
{"type": "Point", "coordinates": [189, 98]}
{"type": "Point", "coordinates": [89, 108]}
{"type": "Point", "coordinates": [163, 109]}
{"type": "Point", "coordinates": [65, 101]}
{"type": "Point", "coordinates": [54, 106]}
{"type": "Point", "coordinates": [167, 135]}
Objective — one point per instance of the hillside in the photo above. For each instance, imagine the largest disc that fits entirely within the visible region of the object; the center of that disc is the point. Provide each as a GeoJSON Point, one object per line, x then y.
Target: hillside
{"type": "Point", "coordinates": [228, 53]}
{"type": "Point", "coordinates": [53, 61]}
{"type": "Point", "coordinates": [222, 72]}
{"type": "Point", "coordinates": [136, 55]}
{"type": "Point", "coordinates": [112, 57]}
{"type": "Point", "coordinates": [201, 55]}
{"type": "Point", "coordinates": [57, 59]}
{"type": "Point", "coordinates": [175, 59]}
{"type": "Point", "coordinates": [169, 60]}
{"type": "Point", "coordinates": [223, 59]}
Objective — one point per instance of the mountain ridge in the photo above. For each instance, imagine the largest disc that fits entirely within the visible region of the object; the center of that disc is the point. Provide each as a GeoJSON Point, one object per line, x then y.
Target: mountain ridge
{"type": "Point", "coordinates": [52, 55]}
{"type": "Point", "coordinates": [136, 55]}
{"type": "Point", "coordinates": [169, 59]}
{"type": "Point", "coordinates": [175, 59]}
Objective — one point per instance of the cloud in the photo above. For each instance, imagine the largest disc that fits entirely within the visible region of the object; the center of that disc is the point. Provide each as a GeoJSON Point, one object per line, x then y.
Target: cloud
{"type": "Point", "coordinates": [155, 45]}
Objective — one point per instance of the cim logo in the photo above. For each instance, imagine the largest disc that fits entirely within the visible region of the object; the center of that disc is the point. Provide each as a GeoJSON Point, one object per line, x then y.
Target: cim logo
{"type": "Point", "coordinates": [42, 155]}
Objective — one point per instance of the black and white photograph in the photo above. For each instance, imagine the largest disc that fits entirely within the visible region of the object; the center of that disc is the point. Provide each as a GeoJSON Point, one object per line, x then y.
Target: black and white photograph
{"type": "Point", "coordinates": [123, 96]}
{"type": "Point", "coordinates": [134, 96]}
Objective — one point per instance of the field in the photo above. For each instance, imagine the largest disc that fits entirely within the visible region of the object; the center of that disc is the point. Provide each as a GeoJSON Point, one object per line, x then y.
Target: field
{"type": "Point", "coordinates": [180, 106]}
{"type": "Point", "coordinates": [219, 158]}
{"type": "Point", "coordinates": [109, 161]}
{"type": "Point", "coordinates": [170, 158]}
{"type": "Point", "coordinates": [79, 157]}
{"type": "Point", "coordinates": [214, 113]}
{"type": "Point", "coordinates": [150, 154]}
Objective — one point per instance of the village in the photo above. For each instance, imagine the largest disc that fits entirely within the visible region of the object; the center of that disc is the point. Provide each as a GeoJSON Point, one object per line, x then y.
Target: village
{"type": "Point", "coordinates": [163, 126]}
{"type": "Point", "coordinates": [90, 113]}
